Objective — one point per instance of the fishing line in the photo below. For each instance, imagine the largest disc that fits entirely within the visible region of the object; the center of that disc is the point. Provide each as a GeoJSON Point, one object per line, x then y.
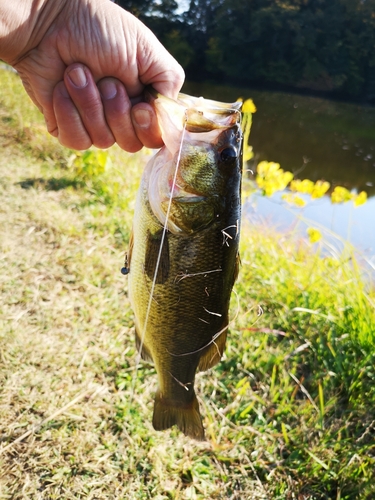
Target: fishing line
{"type": "Point", "coordinates": [165, 228]}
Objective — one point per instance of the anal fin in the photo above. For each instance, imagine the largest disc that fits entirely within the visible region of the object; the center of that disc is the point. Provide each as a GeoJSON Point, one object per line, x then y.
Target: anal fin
{"type": "Point", "coordinates": [187, 417]}
{"type": "Point", "coordinates": [212, 355]}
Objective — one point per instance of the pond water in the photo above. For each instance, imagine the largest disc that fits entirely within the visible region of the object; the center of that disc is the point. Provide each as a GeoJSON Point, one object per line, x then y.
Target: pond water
{"type": "Point", "coordinates": [314, 138]}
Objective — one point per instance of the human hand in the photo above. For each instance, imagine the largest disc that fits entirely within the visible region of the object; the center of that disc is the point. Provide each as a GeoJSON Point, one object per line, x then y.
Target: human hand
{"type": "Point", "coordinates": [85, 65]}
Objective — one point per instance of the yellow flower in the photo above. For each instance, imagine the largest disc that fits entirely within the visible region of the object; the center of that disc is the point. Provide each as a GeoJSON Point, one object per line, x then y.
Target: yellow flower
{"type": "Point", "coordinates": [248, 106]}
{"type": "Point", "coordinates": [272, 178]}
{"type": "Point", "coordinates": [320, 188]}
{"type": "Point", "coordinates": [340, 195]}
{"type": "Point", "coordinates": [298, 201]}
{"type": "Point", "coordinates": [314, 234]}
{"type": "Point", "coordinates": [294, 199]}
{"type": "Point", "coordinates": [306, 186]}
{"type": "Point", "coordinates": [360, 199]}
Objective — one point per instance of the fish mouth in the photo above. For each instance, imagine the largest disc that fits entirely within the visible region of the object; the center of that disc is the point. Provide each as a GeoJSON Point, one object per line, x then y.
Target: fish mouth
{"type": "Point", "coordinates": [196, 114]}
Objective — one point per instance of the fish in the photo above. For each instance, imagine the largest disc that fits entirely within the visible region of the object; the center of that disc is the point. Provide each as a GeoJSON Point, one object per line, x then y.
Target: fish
{"type": "Point", "coordinates": [183, 256]}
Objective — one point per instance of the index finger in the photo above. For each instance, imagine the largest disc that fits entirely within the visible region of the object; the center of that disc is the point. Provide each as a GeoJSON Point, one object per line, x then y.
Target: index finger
{"type": "Point", "coordinates": [157, 67]}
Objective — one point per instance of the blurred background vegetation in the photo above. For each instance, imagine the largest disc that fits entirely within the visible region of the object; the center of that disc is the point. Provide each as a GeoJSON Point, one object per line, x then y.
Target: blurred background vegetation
{"type": "Point", "coordinates": [289, 412]}
{"type": "Point", "coordinates": [318, 46]}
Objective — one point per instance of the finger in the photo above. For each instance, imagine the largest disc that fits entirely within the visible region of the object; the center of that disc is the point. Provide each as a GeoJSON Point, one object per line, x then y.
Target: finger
{"type": "Point", "coordinates": [146, 125]}
{"type": "Point", "coordinates": [85, 95]}
{"type": "Point", "coordinates": [117, 106]}
{"type": "Point", "coordinates": [157, 66]}
{"type": "Point", "coordinates": [40, 89]}
{"type": "Point", "coordinates": [70, 130]}
{"type": "Point", "coordinates": [167, 80]}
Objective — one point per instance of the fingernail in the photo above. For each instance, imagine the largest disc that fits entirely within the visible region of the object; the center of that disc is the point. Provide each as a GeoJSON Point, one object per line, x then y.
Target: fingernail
{"type": "Point", "coordinates": [108, 90]}
{"type": "Point", "coordinates": [142, 118]}
{"type": "Point", "coordinates": [78, 77]}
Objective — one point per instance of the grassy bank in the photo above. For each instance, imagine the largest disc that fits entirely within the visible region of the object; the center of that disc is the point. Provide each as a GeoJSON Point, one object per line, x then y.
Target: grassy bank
{"type": "Point", "coordinates": [289, 413]}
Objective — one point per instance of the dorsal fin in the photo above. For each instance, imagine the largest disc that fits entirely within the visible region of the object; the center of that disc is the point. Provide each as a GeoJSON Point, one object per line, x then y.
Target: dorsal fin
{"type": "Point", "coordinates": [131, 245]}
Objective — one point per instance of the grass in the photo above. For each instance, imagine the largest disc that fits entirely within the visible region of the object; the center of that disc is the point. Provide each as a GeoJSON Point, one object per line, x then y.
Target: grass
{"type": "Point", "coordinates": [289, 412]}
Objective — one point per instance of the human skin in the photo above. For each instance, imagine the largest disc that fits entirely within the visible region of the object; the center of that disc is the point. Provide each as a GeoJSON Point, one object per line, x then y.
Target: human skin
{"type": "Point", "coordinates": [85, 64]}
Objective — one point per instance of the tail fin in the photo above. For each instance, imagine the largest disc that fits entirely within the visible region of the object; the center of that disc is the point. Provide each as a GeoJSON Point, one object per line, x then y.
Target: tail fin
{"type": "Point", "coordinates": [187, 417]}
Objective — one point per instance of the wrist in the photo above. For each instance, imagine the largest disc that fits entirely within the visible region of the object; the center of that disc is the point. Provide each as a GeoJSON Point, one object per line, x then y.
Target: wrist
{"type": "Point", "coordinates": [23, 24]}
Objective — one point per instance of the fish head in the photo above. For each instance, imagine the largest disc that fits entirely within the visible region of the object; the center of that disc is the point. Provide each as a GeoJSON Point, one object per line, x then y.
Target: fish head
{"type": "Point", "coordinates": [208, 175]}
{"type": "Point", "coordinates": [197, 175]}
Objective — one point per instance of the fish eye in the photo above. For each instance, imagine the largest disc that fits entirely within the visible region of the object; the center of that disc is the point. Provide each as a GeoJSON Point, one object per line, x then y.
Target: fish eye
{"type": "Point", "coordinates": [228, 154]}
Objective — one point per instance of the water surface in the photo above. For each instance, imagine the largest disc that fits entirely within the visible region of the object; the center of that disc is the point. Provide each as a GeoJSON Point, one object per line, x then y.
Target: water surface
{"type": "Point", "coordinates": [314, 138]}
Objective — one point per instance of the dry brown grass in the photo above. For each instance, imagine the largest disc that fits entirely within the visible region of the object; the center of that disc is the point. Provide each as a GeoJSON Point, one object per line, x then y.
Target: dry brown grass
{"type": "Point", "coordinates": [67, 430]}
{"type": "Point", "coordinates": [287, 416]}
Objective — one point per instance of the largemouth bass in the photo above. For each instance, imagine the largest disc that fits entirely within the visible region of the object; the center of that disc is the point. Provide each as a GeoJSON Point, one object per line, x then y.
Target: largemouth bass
{"type": "Point", "coordinates": [184, 250]}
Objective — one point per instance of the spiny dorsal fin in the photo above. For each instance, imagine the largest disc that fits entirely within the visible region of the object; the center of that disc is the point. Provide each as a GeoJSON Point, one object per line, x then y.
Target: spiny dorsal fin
{"type": "Point", "coordinates": [131, 245]}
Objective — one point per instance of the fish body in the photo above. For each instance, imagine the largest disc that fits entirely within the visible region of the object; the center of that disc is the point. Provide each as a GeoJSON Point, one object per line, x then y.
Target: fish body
{"type": "Point", "coordinates": [184, 251]}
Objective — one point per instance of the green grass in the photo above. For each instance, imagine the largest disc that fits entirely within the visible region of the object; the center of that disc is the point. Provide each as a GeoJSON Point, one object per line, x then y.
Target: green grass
{"type": "Point", "coordinates": [289, 412]}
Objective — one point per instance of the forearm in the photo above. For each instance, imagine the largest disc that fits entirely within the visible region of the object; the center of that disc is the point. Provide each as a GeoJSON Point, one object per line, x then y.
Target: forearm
{"type": "Point", "coordinates": [22, 24]}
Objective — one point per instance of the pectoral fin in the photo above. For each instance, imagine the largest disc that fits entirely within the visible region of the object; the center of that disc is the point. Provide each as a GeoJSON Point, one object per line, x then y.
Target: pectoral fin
{"type": "Point", "coordinates": [153, 245]}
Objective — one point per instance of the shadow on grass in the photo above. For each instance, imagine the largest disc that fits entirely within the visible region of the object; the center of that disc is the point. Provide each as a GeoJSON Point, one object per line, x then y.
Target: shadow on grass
{"type": "Point", "coordinates": [52, 184]}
